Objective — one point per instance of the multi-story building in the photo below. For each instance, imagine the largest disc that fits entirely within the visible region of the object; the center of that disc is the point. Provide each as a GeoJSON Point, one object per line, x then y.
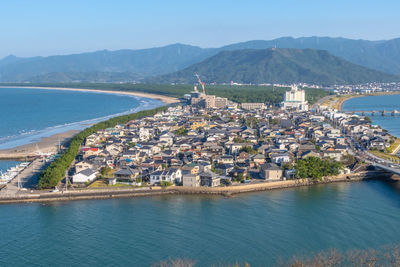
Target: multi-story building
{"type": "Point", "coordinates": [295, 99]}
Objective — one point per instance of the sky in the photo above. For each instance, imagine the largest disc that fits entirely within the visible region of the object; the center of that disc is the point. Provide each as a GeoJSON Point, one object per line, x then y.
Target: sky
{"type": "Point", "coordinates": [49, 27]}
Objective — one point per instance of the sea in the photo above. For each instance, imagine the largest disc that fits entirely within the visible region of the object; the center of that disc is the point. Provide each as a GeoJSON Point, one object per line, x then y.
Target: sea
{"type": "Point", "coordinates": [263, 228]}
{"type": "Point", "coordinates": [379, 103]}
{"type": "Point", "coordinates": [29, 114]}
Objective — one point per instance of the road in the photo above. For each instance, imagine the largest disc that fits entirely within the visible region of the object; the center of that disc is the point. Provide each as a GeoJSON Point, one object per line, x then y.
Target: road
{"type": "Point", "coordinates": [28, 178]}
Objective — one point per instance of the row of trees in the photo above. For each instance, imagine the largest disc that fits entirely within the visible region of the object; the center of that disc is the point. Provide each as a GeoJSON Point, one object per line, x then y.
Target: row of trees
{"type": "Point", "coordinates": [55, 172]}
{"type": "Point", "coordinates": [316, 168]}
{"type": "Point", "coordinates": [249, 93]}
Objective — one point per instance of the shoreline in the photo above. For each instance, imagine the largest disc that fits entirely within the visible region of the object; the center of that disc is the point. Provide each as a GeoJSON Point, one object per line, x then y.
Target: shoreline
{"type": "Point", "coordinates": [110, 193]}
{"type": "Point", "coordinates": [342, 101]}
{"type": "Point", "coordinates": [49, 144]}
{"type": "Point", "coordinates": [29, 151]}
{"type": "Point", "coordinates": [164, 99]}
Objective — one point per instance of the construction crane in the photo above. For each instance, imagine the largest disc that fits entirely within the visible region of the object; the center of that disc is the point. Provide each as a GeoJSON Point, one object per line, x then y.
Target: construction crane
{"type": "Point", "coordinates": [202, 83]}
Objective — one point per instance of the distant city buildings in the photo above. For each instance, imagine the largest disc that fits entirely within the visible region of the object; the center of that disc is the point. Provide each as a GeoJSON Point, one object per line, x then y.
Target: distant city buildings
{"type": "Point", "coordinates": [207, 101]}
{"type": "Point", "coordinates": [295, 99]}
{"type": "Point", "coordinates": [253, 106]}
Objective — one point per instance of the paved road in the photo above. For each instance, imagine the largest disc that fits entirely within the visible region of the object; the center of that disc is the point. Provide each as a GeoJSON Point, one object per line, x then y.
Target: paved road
{"type": "Point", "coordinates": [28, 178]}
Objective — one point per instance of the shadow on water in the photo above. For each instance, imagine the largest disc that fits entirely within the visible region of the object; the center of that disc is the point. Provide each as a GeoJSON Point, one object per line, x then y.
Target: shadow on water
{"type": "Point", "coordinates": [390, 189]}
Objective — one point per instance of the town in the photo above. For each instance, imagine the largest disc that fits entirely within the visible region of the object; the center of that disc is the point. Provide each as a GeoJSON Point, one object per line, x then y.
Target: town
{"type": "Point", "coordinates": [210, 141]}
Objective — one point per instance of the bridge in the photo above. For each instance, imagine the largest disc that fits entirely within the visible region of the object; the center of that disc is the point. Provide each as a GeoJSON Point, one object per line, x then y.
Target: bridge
{"type": "Point", "coordinates": [373, 112]}
{"type": "Point", "coordinates": [387, 168]}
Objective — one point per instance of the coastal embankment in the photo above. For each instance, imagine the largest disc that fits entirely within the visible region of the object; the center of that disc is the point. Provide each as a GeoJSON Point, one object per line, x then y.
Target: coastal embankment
{"type": "Point", "coordinates": [115, 192]}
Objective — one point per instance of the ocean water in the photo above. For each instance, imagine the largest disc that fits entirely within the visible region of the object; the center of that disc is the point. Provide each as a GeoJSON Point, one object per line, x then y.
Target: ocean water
{"type": "Point", "coordinates": [27, 115]}
{"type": "Point", "coordinates": [383, 102]}
{"type": "Point", "coordinates": [259, 228]}
{"type": "Point", "coordinates": [6, 164]}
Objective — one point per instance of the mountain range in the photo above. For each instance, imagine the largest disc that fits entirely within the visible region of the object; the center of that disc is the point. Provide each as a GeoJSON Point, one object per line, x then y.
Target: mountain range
{"type": "Point", "coordinates": [276, 65]}
{"type": "Point", "coordinates": [136, 65]}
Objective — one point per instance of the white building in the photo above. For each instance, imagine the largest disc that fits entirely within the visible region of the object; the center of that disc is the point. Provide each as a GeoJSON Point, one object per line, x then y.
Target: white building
{"type": "Point", "coordinates": [295, 99]}
{"type": "Point", "coordinates": [87, 175]}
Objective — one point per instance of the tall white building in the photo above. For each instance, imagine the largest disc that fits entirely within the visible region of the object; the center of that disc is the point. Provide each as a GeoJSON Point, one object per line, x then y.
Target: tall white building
{"type": "Point", "coordinates": [295, 99]}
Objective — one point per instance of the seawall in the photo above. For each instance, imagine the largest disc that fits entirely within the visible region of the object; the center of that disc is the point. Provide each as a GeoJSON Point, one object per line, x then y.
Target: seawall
{"type": "Point", "coordinates": [108, 193]}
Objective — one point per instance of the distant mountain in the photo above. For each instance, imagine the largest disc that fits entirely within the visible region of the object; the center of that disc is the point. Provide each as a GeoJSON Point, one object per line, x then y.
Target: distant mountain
{"type": "Point", "coordinates": [277, 65]}
{"type": "Point", "coordinates": [142, 63]}
{"type": "Point", "coordinates": [137, 64]}
{"type": "Point", "coordinates": [86, 77]}
{"type": "Point", "coordinates": [379, 55]}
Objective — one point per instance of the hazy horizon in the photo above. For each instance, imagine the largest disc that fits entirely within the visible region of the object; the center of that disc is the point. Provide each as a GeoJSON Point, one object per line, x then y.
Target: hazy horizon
{"type": "Point", "coordinates": [43, 27]}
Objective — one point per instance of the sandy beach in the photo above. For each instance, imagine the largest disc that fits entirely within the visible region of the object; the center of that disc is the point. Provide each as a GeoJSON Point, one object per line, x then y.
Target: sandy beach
{"type": "Point", "coordinates": [50, 144]}
{"type": "Point", "coordinates": [165, 99]}
{"type": "Point", "coordinates": [46, 145]}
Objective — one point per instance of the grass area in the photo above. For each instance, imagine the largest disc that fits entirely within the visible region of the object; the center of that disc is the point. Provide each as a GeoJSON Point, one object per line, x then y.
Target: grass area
{"type": "Point", "coordinates": [102, 183]}
{"type": "Point", "coordinates": [394, 146]}
{"type": "Point", "coordinates": [386, 156]}
{"type": "Point", "coordinates": [98, 183]}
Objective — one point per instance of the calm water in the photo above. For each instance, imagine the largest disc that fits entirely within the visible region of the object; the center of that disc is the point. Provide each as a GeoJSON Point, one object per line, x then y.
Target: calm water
{"type": "Point", "coordinates": [259, 228]}
{"type": "Point", "coordinates": [27, 115]}
{"type": "Point", "coordinates": [384, 102]}
{"type": "Point", "coordinates": [6, 164]}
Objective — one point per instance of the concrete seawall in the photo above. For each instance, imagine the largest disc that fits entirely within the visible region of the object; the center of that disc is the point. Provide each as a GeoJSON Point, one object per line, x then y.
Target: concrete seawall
{"type": "Point", "coordinates": [108, 193]}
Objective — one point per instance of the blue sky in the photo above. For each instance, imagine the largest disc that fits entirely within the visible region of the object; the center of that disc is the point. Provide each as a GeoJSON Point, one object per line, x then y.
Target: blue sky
{"type": "Point", "coordinates": [44, 27]}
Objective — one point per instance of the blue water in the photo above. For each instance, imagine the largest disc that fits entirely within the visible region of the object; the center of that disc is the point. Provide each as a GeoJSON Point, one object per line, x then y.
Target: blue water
{"type": "Point", "coordinates": [6, 164]}
{"type": "Point", "coordinates": [384, 102]}
{"type": "Point", "coordinates": [27, 115]}
{"type": "Point", "coordinates": [260, 228]}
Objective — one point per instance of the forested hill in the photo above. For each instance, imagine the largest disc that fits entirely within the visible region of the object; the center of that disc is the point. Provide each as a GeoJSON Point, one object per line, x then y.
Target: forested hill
{"type": "Point", "coordinates": [277, 65]}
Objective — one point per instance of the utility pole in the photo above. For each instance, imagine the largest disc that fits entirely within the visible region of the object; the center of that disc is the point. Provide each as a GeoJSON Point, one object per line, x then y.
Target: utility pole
{"type": "Point", "coordinates": [66, 180]}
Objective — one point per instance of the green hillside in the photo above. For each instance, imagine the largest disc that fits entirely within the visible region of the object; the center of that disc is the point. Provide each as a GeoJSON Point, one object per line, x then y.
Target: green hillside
{"type": "Point", "coordinates": [282, 65]}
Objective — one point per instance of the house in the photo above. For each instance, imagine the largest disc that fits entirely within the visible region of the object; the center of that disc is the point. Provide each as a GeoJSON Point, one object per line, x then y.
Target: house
{"type": "Point", "coordinates": [224, 168]}
{"type": "Point", "coordinates": [280, 158]}
{"type": "Point", "coordinates": [191, 180]}
{"type": "Point", "coordinates": [171, 175]}
{"type": "Point", "coordinates": [82, 165]}
{"type": "Point", "coordinates": [271, 171]}
{"type": "Point", "coordinates": [126, 175]}
{"type": "Point", "coordinates": [86, 175]}
{"type": "Point", "coordinates": [377, 143]}
{"type": "Point", "coordinates": [259, 159]}
{"type": "Point", "coordinates": [209, 179]}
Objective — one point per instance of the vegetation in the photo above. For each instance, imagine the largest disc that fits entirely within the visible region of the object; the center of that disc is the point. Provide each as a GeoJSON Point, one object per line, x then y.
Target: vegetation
{"type": "Point", "coordinates": [316, 168]}
{"type": "Point", "coordinates": [383, 256]}
{"type": "Point", "coordinates": [248, 149]}
{"type": "Point", "coordinates": [282, 65]}
{"type": "Point", "coordinates": [386, 156]}
{"type": "Point", "coordinates": [55, 172]}
{"type": "Point", "coordinates": [132, 65]}
{"type": "Point", "coordinates": [107, 171]}
{"type": "Point", "coordinates": [250, 93]}
{"type": "Point", "coordinates": [181, 131]}
{"type": "Point", "coordinates": [165, 184]}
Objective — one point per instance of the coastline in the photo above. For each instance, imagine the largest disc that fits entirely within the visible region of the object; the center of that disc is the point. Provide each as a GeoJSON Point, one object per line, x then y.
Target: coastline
{"type": "Point", "coordinates": [164, 99]}
{"type": "Point", "coordinates": [49, 144]}
{"type": "Point", "coordinates": [342, 101]}
{"type": "Point", "coordinates": [114, 192]}
{"type": "Point", "coordinates": [45, 145]}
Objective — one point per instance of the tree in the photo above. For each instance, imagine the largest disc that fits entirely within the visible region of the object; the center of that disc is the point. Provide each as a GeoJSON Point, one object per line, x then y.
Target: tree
{"type": "Point", "coordinates": [181, 131]}
{"type": "Point", "coordinates": [316, 168]}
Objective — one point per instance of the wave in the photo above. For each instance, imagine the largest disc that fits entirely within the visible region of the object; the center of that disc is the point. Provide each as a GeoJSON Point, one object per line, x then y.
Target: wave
{"type": "Point", "coordinates": [28, 136]}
